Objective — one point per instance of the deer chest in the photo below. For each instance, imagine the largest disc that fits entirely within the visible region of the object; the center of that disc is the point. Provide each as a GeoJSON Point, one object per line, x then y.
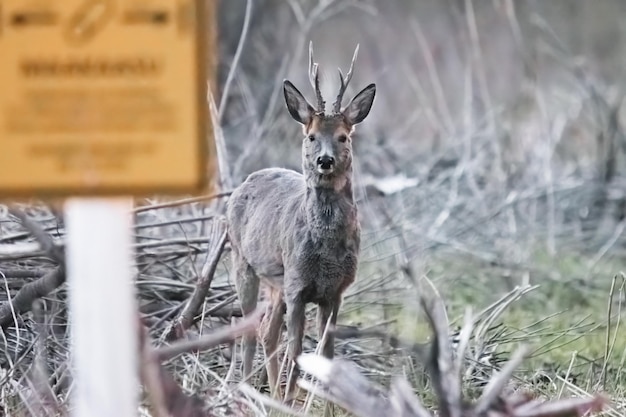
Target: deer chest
{"type": "Point", "coordinates": [325, 270]}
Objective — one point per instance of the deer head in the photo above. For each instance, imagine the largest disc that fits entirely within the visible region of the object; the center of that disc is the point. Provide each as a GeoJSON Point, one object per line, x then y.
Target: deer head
{"type": "Point", "coordinates": [327, 144]}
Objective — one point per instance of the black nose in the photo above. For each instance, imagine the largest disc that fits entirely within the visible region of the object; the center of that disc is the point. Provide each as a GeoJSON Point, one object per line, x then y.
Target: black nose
{"type": "Point", "coordinates": [325, 162]}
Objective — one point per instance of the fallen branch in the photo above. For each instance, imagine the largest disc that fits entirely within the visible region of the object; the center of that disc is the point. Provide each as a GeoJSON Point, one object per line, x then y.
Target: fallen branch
{"type": "Point", "coordinates": [349, 388]}
{"type": "Point", "coordinates": [23, 272]}
{"type": "Point", "coordinates": [217, 240]}
{"type": "Point", "coordinates": [181, 202]}
{"type": "Point", "coordinates": [44, 398]}
{"type": "Point", "coordinates": [391, 340]}
{"type": "Point", "coordinates": [224, 335]}
{"type": "Point", "coordinates": [17, 251]}
{"type": "Point", "coordinates": [23, 300]}
{"type": "Point", "coordinates": [166, 396]}
{"type": "Point", "coordinates": [45, 240]}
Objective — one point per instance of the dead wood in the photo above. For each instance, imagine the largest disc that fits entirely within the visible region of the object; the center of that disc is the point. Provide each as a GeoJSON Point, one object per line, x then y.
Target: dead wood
{"type": "Point", "coordinates": [217, 241]}
{"type": "Point", "coordinates": [395, 342]}
{"type": "Point", "coordinates": [23, 273]}
{"type": "Point", "coordinates": [37, 231]}
{"type": "Point", "coordinates": [23, 300]}
{"type": "Point", "coordinates": [15, 252]}
{"type": "Point", "coordinates": [44, 399]}
{"type": "Point", "coordinates": [223, 335]}
{"type": "Point", "coordinates": [181, 202]}
{"type": "Point", "coordinates": [166, 396]}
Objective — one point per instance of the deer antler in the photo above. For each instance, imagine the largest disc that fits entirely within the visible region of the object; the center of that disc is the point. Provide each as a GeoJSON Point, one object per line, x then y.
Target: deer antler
{"type": "Point", "coordinates": [315, 80]}
{"type": "Point", "coordinates": [344, 82]}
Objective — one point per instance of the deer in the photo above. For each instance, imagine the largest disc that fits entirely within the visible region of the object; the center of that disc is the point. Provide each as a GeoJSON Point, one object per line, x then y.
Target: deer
{"type": "Point", "coordinates": [298, 234]}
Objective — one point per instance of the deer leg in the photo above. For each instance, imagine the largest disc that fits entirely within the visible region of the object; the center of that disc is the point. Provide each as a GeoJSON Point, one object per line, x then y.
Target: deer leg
{"type": "Point", "coordinates": [295, 333]}
{"type": "Point", "coordinates": [271, 340]}
{"type": "Point", "coordinates": [247, 285]}
{"type": "Point", "coordinates": [323, 313]}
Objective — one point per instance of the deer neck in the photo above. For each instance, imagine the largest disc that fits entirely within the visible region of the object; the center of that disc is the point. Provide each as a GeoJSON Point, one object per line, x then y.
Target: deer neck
{"type": "Point", "coordinates": [331, 209]}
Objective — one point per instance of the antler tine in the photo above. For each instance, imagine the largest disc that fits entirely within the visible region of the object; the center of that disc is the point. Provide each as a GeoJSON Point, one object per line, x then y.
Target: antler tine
{"type": "Point", "coordinates": [312, 66]}
{"type": "Point", "coordinates": [315, 80]}
{"type": "Point", "coordinates": [345, 81]}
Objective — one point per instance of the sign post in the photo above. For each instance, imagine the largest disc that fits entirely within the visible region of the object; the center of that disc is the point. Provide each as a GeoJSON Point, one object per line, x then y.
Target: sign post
{"type": "Point", "coordinates": [103, 100]}
{"type": "Point", "coordinates": [102, 306]}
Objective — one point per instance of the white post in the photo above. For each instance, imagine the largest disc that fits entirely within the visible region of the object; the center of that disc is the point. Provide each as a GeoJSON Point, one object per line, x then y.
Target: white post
{"type": "Point", "coordinates": [102, 307]}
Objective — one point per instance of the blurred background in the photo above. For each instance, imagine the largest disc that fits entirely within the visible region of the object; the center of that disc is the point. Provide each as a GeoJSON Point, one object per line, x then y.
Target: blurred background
{"type": "Point", "coordinates": [479, 103]}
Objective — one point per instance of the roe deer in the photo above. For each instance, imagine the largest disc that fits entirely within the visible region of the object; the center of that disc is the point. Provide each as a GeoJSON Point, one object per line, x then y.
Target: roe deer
{"type": "Point", "coordinates": [299, 233]}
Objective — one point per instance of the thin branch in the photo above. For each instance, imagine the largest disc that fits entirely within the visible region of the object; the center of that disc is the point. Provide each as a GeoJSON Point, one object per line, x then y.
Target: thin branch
{"type": "Point", "coordinates": [217, 241]}
{"type": "Point", "coordinates": [345, 385]}
{"type": "Point", "coordinates": [45, 240]}
{"type": "Point", "coordinates": [14, 251]}
{"type": "Point", "coordinates": [494, 388]}
{"type": "Point", "coordinates": [233, 68]}
{"type": "Point", "coordinates": [166, 396]}
{"type": "Point", "coordinates": [247, 325]}
{"type": "Point", "coordinates": [45, 399]}
{"type": "Point", "coordinates": [181, 202]}
{"type": "Point", "coordinates": [393, 341]}
{"type": "Point", "coordinates": [23, 300]}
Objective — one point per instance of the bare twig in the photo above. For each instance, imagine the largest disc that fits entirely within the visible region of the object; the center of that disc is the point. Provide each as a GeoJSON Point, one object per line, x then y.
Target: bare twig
{"type": "Point", "coordinates": [267, 401]}
{"type": "Point", "coordinates": [440, 99]}
{"type": "Point", "coordinates": [610, 343]}
{"type": "Point", "coordinates": [13, 251]}
{"type": "Point", "coordinates": [176, 221]}
{"type": "Point", "coordinates": [495, 386]}
{"type": "Point", "coordinates": [224, 335]}
{"type": "Point", "coordinates": [23, 300]}
{"type": "Point", "coordinates": [181, 202]}
{"type": "Point", "coordinates": [45, 398]}
{"type": "Point", "coordinates": [233, 67]}
{"type": "Point", "coordinates": [346, 386]}
{"type": "Point", "coordinates": [217, 239]}
{"type": "Point", "coordinates": [166, 396]}
{"type": "Point", "coordinates": [393, 341]}
{"type": "Point", "coordinates": [45, 240]}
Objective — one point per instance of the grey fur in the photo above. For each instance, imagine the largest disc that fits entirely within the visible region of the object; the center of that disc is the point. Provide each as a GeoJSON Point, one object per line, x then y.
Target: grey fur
{"type": "Point", "coordinates": [299, 233]}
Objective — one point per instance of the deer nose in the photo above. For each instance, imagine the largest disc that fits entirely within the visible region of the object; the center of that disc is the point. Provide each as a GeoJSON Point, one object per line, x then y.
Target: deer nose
{"type": "Point", "coordinates": [325, 161]}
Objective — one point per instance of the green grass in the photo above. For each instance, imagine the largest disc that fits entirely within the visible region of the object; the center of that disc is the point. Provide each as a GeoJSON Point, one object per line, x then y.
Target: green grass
{"type": "Point", "coordinates": [576, 346]}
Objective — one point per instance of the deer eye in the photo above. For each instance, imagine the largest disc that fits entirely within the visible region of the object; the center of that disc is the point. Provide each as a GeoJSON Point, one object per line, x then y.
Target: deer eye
{"type": "Point", "coordinates": [311, 138]}
{"type": "Point", "coordinates": [342, 138]}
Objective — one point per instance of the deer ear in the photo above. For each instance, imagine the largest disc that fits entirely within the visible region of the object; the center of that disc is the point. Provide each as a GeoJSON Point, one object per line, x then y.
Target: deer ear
{"type": "Point", "coordinates": [298, 106]}
{"type": "Point", "coordinates": [360, 105]}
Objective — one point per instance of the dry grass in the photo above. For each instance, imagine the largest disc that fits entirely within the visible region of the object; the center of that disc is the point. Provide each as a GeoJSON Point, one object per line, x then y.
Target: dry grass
{"type": "Point", "coordinates": [568, 307]}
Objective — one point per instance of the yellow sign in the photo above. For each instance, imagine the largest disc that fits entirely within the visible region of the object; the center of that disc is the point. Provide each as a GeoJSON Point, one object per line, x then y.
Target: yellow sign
{"type": "Point", "coordinates": [104, 97]}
